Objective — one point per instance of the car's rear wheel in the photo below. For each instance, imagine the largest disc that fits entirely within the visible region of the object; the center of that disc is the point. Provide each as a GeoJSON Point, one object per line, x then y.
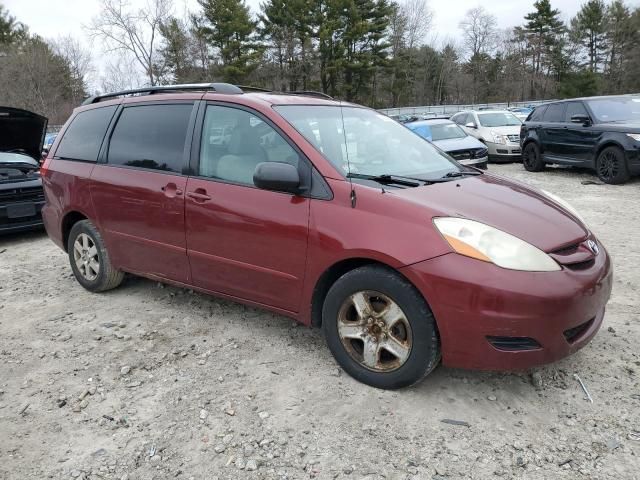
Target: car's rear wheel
{"type": "Point", "coordinates": [532, 158]}
{"type": "Point", "coordinates": [611, 166]}
{"type": "Point", "coordinates": [379, 328]}
{"type": "Point", "coordinates": [90, 260]}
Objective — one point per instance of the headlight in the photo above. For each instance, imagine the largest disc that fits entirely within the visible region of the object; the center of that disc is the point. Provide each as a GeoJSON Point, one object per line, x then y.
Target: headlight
{"type": "Point", "coordinates": [635, 136]}
{"type": "Point", "coordinates": [482, 242]}
{"type": "Point", "coordinates": [498, 138]}
{"type": "Point", "coordinates": [563, 203]}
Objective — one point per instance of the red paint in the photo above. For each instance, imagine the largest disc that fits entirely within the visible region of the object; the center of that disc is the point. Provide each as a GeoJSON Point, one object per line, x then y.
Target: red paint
{"type": "Point", "coordinates": [270, 249]}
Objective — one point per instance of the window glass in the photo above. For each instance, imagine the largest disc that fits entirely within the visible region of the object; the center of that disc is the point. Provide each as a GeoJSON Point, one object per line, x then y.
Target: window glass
{"type": "Point", "coordinates": [234, 142]}
{"type": "Point", "coordinates": [151, 136]}
{"type": "Point", "coordinates": [360, 141]}
{"type": "Point", "coordinates": [82, 139]}
{"type": "Point", "coordinates": [498, 119]}
{"type": "Point", "coordinates": [574, 108]}
{"type": "Point", "coordinates": [616, 109]}
{"type": "Point", "coordinates": [446, 131]}
{"type": "Point", "coordinates": [554, 113]}
{"type": "Point", "coordinates": [537, 114]}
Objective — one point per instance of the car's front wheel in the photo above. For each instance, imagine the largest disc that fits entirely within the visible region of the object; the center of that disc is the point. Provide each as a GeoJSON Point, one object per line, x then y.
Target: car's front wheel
{"type": "Point", "coordinates": [379, 328]}
{"type": "Point", "coordinates": [90, 260]}
{"type": "Point", "coordinates": [532, 158]}
{"type": "Point", "coordinates": [611, 166]}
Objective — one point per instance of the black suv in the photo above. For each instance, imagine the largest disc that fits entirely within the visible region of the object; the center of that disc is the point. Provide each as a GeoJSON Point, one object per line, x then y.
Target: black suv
{"type": "Point", "coordinates": [602, 133]}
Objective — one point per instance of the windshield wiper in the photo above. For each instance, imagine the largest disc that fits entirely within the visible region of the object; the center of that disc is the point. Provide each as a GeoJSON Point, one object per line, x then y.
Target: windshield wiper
{"type": "Point", "coordinates": [387, 179]}
{"type": "Point", "coordinates": [456, 173]}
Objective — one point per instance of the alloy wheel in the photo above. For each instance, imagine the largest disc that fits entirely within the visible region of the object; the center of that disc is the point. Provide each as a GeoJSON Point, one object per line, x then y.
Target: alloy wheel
{"type": "Point", "coordinates": [85, 255]}
{"type": "Point", "coordinates": [609, 165]}
{"type": "Point", "coordinates": [374, 331]}
{"type": "Point", "coordinates": [530, 156]}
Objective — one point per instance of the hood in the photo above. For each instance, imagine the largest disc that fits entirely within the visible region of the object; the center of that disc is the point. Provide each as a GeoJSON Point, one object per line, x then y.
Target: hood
{"type": "Point", "coordinates": [453, 144]}
{"type": "Point", "coordinates": [504, 204]}
{"type": "Point", "coordinates": [21, 130]}
{"type": "Point", "coordinates": [508, 130]}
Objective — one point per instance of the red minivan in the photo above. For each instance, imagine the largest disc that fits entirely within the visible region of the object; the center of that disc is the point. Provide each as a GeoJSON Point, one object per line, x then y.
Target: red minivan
{"type": "Point", "coordinates": [329, 213]}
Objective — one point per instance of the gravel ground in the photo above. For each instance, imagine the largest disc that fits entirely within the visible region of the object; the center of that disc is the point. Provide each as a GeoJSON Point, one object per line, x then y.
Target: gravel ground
{"type": "Point", "coordinates": [157, 382]}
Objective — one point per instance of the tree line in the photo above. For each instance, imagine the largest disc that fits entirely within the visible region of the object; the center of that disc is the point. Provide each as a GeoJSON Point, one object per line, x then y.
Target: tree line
{"type": "Point", "coordinates": [381, 53]}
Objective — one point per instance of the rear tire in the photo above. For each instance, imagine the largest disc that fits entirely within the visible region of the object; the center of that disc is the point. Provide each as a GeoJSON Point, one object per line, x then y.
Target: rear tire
{"type": "Point", "coordinates": [380, 329]}
{"type": "Point", "coordinates": [532, 158]}
{"type": "Point", "coordinates": [89, 259]}
{"type": "Point", "coordinates": [611, 166]}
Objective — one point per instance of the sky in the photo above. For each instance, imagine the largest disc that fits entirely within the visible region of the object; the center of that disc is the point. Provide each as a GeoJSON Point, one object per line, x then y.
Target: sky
{"type": "Point", "coordinates": [52, 19]}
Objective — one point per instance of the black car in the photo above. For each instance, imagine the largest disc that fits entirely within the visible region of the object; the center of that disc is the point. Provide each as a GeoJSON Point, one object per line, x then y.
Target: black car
{"type": "Point", "coordinates": [601, 133]}
{"type": "Point", "coordinates": [21, 195]}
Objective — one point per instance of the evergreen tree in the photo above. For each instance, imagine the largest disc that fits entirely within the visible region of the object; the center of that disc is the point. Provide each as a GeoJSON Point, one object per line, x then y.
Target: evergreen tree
{"type": "Point", "coordinates": [589, 27]}
{"type": "Point", "coordinates": [230, 29]}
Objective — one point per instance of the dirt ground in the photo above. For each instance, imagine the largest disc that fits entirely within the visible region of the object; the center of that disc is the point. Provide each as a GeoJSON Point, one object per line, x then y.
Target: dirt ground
{"type": "Point", "coordinates": [153, 382]}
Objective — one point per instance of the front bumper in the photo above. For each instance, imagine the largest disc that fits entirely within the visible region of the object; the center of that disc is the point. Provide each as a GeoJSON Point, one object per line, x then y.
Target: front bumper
{"type": "Point", "coordinates": [20, 206]}
{"type": "Point", "coordinates": [504, 152]}
{"type": "Point", "coordinates": [476, 302]}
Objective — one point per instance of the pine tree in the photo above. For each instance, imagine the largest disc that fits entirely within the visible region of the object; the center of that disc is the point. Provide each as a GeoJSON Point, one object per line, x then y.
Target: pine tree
{"type": "Point", "coordinates": [589, 27]}
{"type": "Point", "coordinates": [230, 29]}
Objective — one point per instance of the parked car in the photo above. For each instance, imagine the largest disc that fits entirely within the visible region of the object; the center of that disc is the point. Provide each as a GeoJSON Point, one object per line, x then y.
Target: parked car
{"type": "Point", "coordinates": [450, 138]}
{"type": "Point", "coordinates": [499, 130]}
{"type": "Point", "coordinates": [600, 133]}
{"type": "Point", "coordinates": [329, 213]}
{"type": "Point", "coordinates": [521, 112]}
{"type": "Point", "coordinates": [21, 195]}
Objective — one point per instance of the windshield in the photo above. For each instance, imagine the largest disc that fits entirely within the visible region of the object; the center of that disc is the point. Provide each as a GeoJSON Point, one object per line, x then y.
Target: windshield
{"type": "Point", "coordinates": [362, 141]}
{"type": "Point", "coordinates": [616, 109]}
{"type": "Point", "coordinates": [502, 119]}
{"type": "Point", "coordinates": [446, 131]}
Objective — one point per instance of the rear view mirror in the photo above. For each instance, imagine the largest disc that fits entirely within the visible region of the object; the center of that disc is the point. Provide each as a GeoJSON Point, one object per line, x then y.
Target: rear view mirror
{"type": "Point", "coordinates": [580, 118]}
{"type": "Point", "coordinates": [277, 176]}
{"type": "Point", "coordinates": [471, 125]}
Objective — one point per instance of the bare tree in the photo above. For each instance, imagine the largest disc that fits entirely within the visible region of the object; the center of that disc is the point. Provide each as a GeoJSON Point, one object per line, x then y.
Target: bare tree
{"type": "Point", "coordinates": [134, 31]}
{"type": "Point", "coordinates": [80, 64]}
{"type": "Point", "coordinates": [119, 74]}
{"type": "Point", "coordinates": [418, 18]}
{"type": "Point", "coordinates": [478, 31]}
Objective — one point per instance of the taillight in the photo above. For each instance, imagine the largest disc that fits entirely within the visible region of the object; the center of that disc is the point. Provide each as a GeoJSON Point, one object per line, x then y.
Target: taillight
{"type": "Point", "coordinates": [45, 166]}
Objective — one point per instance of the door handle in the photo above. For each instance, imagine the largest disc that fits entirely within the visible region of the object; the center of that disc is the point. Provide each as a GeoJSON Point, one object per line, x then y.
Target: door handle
{"type": "Point", "coordinates": [199, 195]}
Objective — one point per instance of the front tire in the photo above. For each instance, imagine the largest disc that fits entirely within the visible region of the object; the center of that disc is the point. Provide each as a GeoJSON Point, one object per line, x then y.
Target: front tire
{"type": "Point", "coordinates": [380, 329]}
{"type": "Point", "coordinates": [89, 259]}
{"type": "Point", "coordinates": [611, 166]}
{"type": "Point", "coordinates": [532, 158]}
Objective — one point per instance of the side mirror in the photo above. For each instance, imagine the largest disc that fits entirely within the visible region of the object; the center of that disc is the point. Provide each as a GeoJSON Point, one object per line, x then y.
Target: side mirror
{"type": "Point", "coordinates": [582, 119]}
{"type": "Point", "coordinates": [277, 176]}
{"type": "Point", "coordinates": [471, 125]}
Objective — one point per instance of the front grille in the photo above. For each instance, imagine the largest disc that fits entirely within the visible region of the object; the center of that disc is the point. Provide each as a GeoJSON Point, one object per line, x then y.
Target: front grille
{"type": "Point", "coordinates": [514, 344]}
{"type": "Point", "coordinates": [575, 333]}
{"type": "Point", "coordinates": [14, 195]}
{"type": "Point", "coordinates": [514, 138]}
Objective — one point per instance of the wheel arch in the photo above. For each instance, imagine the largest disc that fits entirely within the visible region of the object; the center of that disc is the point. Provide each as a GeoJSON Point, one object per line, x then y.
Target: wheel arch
{"type": "Point", "coordinates": [605, 144]}
{"type": "Point", "coordinates": [337, 270]}
{"type": "Point", "coordinates": [68, 221]}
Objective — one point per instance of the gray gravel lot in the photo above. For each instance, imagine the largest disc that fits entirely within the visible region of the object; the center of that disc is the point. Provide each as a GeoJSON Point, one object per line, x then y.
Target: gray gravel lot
{"type": "Point", "coordinates": [157, 382]}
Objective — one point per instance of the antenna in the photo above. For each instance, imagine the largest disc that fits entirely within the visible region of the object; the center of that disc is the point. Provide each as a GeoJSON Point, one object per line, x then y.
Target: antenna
{"type": "Point", "coordinates": [346, 151]}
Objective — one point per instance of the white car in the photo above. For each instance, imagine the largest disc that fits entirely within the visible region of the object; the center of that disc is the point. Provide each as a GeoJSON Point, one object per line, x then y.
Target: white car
{"type": "Point", "coordinates": [499, 130]}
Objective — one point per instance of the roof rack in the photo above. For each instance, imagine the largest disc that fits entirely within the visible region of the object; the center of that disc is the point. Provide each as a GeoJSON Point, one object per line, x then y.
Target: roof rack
{"type": "Point", "coordinates": [216, 87]}
{"type": "Point", "coordinates": [310, 93]}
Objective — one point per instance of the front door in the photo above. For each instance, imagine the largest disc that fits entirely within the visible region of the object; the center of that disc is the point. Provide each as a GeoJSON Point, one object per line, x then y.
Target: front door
{"type": "Point", "coordinates": [243, 241]}
{"type": "Point", "coordinates": [138, 194]}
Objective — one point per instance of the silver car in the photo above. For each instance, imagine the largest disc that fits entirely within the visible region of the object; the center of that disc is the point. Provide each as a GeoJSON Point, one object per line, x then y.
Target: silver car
{"type": "Point", "coordinates": [499, 130]}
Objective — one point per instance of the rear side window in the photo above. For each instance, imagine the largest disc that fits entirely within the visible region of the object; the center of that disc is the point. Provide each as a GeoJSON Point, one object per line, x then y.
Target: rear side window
{"type": "Point", "coordinates": [151, 136]}
{"type": "Point", "coordinates": [574, 108]}
{"type": "Point", "coordinates": [554, 113]}
{"type": "Point", "coordinates": [537, 114]}
{"type": "Point", "coordinates": [82, 139]}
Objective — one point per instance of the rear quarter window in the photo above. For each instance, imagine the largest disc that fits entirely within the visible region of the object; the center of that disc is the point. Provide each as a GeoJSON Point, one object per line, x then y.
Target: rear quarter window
{"type": "Point", "coordinates": [83, 137]}
{"type": "Point", "coordinates": [537, 114]}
